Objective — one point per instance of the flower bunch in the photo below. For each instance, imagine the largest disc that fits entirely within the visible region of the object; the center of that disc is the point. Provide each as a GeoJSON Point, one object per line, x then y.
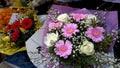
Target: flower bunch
{"type": "Point", "coordinates": [75, 38]}
{"type": "Point", "coordinates": [20, 30]}
{"type": "Point", "coordinates": [14, 29]}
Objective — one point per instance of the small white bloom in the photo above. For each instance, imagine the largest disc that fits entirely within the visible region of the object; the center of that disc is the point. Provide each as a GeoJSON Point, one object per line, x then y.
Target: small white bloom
{"type": "Point", "coordinates": [63, 17]}
{"type": "Point", "coordinates": [87, 22]}
{"type": "Point", "coordinates": [50, 39]}
{"type": "Point", "coordinates": [87, 48]}
{"type": "Point", "coordinates": [89, 18]}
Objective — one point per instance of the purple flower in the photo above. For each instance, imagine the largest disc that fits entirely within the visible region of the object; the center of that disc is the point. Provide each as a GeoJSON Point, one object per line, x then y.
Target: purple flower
{"type": "Point", "coordinates": [63, 49]}
{"type": "Point", "coordinates": [95, 33]}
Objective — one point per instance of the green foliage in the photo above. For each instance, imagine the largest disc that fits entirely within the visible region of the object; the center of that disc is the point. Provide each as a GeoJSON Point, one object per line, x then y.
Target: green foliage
{"type": "Point", "coordinates": [23, 37]}
{"type": "Point", "coordinates": [104, 45]}
{"type": "Point", "coordinates": [80, 61]}
{"type": "Point", "coordinates": [25, 2]}
{"type": "Point", "coordinates": [51, 50]}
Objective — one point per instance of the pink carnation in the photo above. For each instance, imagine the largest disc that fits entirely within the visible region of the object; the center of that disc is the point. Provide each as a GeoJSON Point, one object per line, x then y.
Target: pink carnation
{"type": "Point", "coordinates": [58, 24]}
{"type": "Point", "coordinates": [55, 25]}
{"type": "Point", "coordinates": [51, 25]}
{"type": "Point", "coordinates": [78, 17]}
{"type": "Point", "coordinates": [63, 49]}
{"type": "Point", "coordinates": [95, 33]}
{"type": "Point", "coordinates": [69, 29]}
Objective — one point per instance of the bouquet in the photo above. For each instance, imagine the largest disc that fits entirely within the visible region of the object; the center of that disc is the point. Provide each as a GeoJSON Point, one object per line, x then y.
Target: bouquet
{"type": "Point", "coordinates": [20, 30]}
{"type": "Point", "coordinates": [76, 38]}
{"type": "Point", "coordinates": [20, 27]}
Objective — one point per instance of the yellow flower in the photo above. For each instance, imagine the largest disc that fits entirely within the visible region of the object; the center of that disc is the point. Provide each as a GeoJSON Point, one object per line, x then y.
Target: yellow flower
{"type": "Point", "coordinates": [22, 29]}
{"type": "Point", "coordinates": [22, 19]}
{"type": "Point", "coordinates": [12, 44]}
{"type": "Point", "coordinates": [6, 38]}
{"type": "Point", "coordinates": [35, 17]}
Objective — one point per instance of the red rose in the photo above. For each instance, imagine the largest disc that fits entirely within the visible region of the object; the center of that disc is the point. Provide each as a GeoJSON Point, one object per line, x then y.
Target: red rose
{"type": "Point", "coordinates": [27, 23]}
{"type": "Point", "coordinates": [15, 35]}
{"type": "Point", "coordinates": [16, 24]}
{"type": "Point", "coordinates": [7, 29]}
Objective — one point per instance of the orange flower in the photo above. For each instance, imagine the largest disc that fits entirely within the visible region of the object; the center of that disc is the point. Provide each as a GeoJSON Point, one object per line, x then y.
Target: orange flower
{"type": "Point", "coordinates": [5, 15]}
{"type": "Point", "coordinates": [1, 26]}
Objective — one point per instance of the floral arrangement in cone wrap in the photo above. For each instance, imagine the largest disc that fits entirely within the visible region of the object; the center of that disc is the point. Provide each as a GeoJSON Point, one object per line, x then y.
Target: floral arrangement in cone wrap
{"type": "Point", "coordinates": [76, 38]}
{"type": "Point", "coordinates": [20, 31]}
{"type": "Point", "coordinates": [20, 28]}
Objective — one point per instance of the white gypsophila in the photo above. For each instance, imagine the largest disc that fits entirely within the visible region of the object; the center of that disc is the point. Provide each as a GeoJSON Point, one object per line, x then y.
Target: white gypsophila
{"type": "Point", "coordinates": [63, 17]}
{"type": "Point", "coordinates": [89, 18]}
{"type": "Point", "coordinates": [87, 48]}
{"type": "Point", "coordinates": [50, 39]}
{"type": "Point", "coordinates": [86, 22]}
{"type": "Point", "coordinates": [106, 60]}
